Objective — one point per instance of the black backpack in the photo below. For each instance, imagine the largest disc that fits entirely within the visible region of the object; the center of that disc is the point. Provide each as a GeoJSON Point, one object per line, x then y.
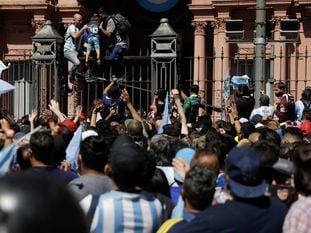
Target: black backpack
{"type": "Point", "coordinates": [122, 24]}
{"type": "Point", "coordinates": [291, 114]}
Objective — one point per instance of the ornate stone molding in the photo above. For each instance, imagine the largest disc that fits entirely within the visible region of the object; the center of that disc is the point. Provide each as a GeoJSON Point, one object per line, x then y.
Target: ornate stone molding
{"type": "Point", "coordinates": [199, 26]}
{"type": "Point", "coordinates": [275, 20]}
{"type": "Point", "coordinates": [219, 24]}
{"type": "Point", "coordinates": [37, 24]}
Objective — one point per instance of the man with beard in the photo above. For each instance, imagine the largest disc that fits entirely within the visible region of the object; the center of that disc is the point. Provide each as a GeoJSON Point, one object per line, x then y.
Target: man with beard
{"type": "Point", "coordinates": [285, 105]}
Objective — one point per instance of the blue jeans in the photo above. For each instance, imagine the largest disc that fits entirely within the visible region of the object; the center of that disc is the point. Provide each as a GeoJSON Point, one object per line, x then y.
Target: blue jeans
{"type": "Point", "coordinates": [72, 56]}
{"type": "Point", "coordinates": [116, 54]}
{"type": "Point", "coordinates": [92, 41]}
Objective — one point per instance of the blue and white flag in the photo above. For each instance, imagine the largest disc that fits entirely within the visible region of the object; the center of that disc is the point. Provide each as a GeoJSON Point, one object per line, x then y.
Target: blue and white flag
{"type": "Point", "coordinates": [6, 156]}
{"type": "Point", "coordinates": [72, 150]}
{"type": "Point", "coordinates": [166, 118]}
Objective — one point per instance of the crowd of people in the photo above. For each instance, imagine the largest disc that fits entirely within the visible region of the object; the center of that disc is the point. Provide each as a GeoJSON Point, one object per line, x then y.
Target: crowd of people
{"type": "Point", "coordinates": [102, 33]}
{"type": "Point", "coordinates": [114, 169]}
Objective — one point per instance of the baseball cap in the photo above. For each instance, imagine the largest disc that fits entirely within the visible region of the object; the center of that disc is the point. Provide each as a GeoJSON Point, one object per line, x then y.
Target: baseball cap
{"type": "Point", "coordinates": [306, 127]}
{"type": "Point", "coordinates": [284, 166]}
{"type": "Point", "coordinates": [72, 126]}
{"type": "Point", "coordinates": [187, 154]}
{"type": "Point", "coordinates": [244, 168]}
{"type": "Point", "coordinates": [89, 133]}
{"type": "Point", "coordinates": [257, 118]}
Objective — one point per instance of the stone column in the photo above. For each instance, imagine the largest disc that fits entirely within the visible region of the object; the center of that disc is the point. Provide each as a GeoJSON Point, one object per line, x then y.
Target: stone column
{"type": "Point", "coordinates": [279, 50]}
{"type": "Point", "coordinates": [221, 59]}
{"type": "Point", "coordinates": [199, 70]}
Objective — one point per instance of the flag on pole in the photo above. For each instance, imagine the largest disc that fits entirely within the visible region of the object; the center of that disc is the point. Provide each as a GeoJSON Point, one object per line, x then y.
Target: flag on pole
{"type": "Point", "coordinates": [9, 153]}
{"type": "Point", "coordinates": [6, 156]}
{"type": "Point", "coordinates": [166, 118]}
{"type": "Point", "coordinates": [72, 150]}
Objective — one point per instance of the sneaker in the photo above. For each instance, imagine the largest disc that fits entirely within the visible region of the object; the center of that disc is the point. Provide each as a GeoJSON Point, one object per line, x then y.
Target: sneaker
{"type": "Point", "coordinates": [90, 79]}
{"type": "Point", "coordinates": [101, 79]}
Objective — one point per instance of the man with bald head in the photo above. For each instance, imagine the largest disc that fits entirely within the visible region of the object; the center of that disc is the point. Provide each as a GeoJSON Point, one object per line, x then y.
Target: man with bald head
{"type": "Point", "coordinates": [73, 37]}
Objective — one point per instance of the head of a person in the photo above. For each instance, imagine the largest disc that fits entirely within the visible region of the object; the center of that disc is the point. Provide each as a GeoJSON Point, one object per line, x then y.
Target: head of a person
{"type": "Point", "coordinates": [204, 123]}
{"type": "Point", "coordinates": [94, 151]}
{"type": "Point", "coordinates": [244, 172]}
{"type": "Point", "coordinates": [264, 100]}
{"type": "Point", "coordinates": [126, 164]}
{"type": "Point", "coordinates": [161, 148]}
{"type": "Point", "coordinates": [194, 89]}
{"type": "Point", "coordinates": [306, 94]}
{"type": "Point", "coordinates": [77, 19]}
{"type": "Point", "coordinates": [199, 187]}
{"type": "Point", "coordinates": [159, 183]}
{"type": "Point", "coordinates": [23, 157]}
{"type": "Point", "coordinates": [161, 94]}
{"type": "Point", "coordinates": [37, 204]}
{"type": "Point", "coordinates": [279, 89]}
{"type": "Point", "coordinates": [186, 154]}
{"type": "Point", "coordinates": [246, 129]}
{"type": "Point", "coordinates": [41, 144]}
{"type": "Point", "coordinates": [134, 127]}
{"type": "Point", "coordinates": [206, 158]}
{"type": "Point", "coordinates": [172, 130]}
{"type": "Point", "coordinates": [224, 127]}
{"type": "Point", "coordinates": [242, 90]}
{"type": "Point", "coordinates": [269, 135]}
{"type": "Point", "coordinates": [103, 13]}
{"type": "Point", "coordinates": [114, 92]}
{"type": "Point", "coordinates": [291, 135]}
{"type": "Point", "coordinates": [306, 114]}
{"type": "Point", "coordinates": [269, 154]}
{"type": "Point", "coordinates": [302, 173]}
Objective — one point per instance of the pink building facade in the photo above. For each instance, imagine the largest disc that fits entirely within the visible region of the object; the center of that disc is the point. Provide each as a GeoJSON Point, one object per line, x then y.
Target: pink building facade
{"type": "Point", "coordinates": [288, 62]}
{"type": "Point", "coordinates": [213, 57]}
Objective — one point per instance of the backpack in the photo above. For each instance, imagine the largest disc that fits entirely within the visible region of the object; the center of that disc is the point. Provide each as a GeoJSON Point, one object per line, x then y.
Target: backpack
{"type": "Point", "coordinates": [291, 114]}
{"type": "Point", "coordinates": [122, 24]}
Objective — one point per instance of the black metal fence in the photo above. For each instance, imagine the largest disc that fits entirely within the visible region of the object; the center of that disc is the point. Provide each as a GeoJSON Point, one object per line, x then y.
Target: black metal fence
{"type": "Point", "coordinates": [296, 74]}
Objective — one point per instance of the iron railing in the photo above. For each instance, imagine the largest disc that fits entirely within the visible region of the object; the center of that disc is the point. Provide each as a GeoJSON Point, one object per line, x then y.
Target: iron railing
{"type": "Point", "coordinates": [296, 74]}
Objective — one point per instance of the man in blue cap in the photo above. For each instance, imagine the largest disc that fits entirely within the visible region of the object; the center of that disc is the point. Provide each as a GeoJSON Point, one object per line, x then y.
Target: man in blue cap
{"type": "Point", "coordinates": [250, 210]}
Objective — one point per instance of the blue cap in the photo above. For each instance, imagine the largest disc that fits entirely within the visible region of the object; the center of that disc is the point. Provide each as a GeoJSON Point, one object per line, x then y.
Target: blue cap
{"type": "Point", "coordinates": [244, 168]}
{"type": "Point", "coordinates": [187, 154]}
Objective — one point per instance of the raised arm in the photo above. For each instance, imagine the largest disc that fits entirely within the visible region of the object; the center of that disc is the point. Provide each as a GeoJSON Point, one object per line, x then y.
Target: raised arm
{"type": "Point", "coordinates": [183, 119]}
{"type": "Point", "coordinates": [54, 107]}
{"type": "Point", "coordinates": [78, 33]}
{"type": "Point", "coordinates": [126, 99]}
{"type": "Point", "coordinates": [113, 82]}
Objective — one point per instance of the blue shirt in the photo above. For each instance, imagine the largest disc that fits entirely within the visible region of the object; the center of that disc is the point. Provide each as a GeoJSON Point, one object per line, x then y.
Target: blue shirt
{"type": "Point", "coordinates": [126, 212]}
{"type": "Point", "coordinates": [261, 215]}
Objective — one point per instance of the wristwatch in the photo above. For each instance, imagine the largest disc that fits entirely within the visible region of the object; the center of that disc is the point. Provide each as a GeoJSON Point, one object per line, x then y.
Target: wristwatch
{"type": "Point", "coordinates": [236, 118]}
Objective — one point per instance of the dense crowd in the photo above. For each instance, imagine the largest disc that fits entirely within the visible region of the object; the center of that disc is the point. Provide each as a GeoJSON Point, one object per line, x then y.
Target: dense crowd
{"type": "Point", "coordinates": [114, 169]}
